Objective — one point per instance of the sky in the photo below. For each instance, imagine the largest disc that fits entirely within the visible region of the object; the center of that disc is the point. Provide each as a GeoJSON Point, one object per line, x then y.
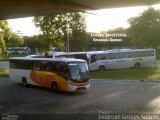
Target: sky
{"type": "Point", "coordinates": [97, 21]}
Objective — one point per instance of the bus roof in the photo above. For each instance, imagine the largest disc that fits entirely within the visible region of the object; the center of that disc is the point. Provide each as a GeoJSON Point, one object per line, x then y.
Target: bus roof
{"type": "Point", "coordinates": [49, 59]}
{"type": "Point", "coordinates": [126, 50]}
{"type": "Point", "coordinates": [73, 53]}
{"type": "Point", "coordinates": [105, 51]}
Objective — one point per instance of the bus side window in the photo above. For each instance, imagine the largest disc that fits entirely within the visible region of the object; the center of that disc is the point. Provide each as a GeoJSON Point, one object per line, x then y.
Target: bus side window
{"type": "Point", "coordinates": [12, 64]}
{"type": "Point", "coordinates": [44, 65]}
{"type": "Point", "coordinates": [117, 55]}
{"type": "Point", "coordinates": [17, 64]}
{"type": "Point", "coordinates": [121, 55]}
{"type": "Point", "coordinates": [141, 54]}
{"type": "Point", "coordinates": [72, 56]}
{"type": "Point", "coordinates": [21, 65]}
{"type": "Point", "coordinates": [145, 54]}
{"type": "Point", "coordinates": [101, 57]}
{"type": "Point", "coordinates": [93, 58]}
{"type": "Point", "coordinates": [63, 67]}
{"type": "Point", "coordinates": [134, 54]}
{"type": "Point", "coordinates": [151, 53]}
{"type": "Point", "coordinates": [54, 66]}
{"type": "Point", "coordinates": [128, 55]}
{"type": "Point", "coordinates": [26, 65]}
{"type": "Point", "coordinates": [36, 65]}
{"type": "Point", "coordinates": [111, 56]}
{"type": "Point", "coordinates": [30, 65]}
{"type": "Point", "coordinates": [138, 54]}
{"type": "Point", "coordinates": [148, 53]}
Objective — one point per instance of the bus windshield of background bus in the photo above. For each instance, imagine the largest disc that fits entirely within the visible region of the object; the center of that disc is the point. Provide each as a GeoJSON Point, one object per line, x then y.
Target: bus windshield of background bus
{"type": "Point", "coordinates": [79, 71]}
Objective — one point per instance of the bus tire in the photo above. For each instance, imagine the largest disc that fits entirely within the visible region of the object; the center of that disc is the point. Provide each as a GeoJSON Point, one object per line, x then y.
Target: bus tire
{"type": "Point", "coordinates": [101, 68]}
{"type": "Point", "coordinates": [24, 82]}
{"type": "Point", "coordinates": [54, 87]}
{"type": "Point", "coordinates": [137, 65]}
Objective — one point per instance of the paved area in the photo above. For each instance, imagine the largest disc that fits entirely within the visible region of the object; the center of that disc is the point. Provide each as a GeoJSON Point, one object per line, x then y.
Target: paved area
{"type": "Point", "coordinates": [104, 97]}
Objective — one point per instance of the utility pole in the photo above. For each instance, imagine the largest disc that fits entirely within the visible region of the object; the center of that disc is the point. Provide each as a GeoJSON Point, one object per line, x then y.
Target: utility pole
{"type": "Point", "coordinates": [67, 31]}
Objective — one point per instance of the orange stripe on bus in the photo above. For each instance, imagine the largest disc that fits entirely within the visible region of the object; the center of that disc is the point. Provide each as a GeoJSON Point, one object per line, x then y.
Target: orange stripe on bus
{"type": "Point", "coordinates": [46, 78]}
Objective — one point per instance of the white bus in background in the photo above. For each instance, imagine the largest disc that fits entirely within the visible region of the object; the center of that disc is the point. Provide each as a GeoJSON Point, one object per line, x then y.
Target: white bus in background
{"type": "Point", "coordinates": [114, 59]}
{"type": "Point", "coordinates": [122, 58]}
{"type": "Point", "coordinates": [78, 55]}
{"type": "Point", "coordinates": [18, 50]}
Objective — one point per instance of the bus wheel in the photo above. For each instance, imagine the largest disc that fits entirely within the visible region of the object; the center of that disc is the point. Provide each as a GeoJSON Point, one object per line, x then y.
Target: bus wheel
{"type": "Point", "coordinates": [101, 67]}
{"type": "Point", "coordinates": [24, 82]}
{"type": "Point", "coordinates": [54, 87]}
{"type": "Point", "coordinates": [137, 65]}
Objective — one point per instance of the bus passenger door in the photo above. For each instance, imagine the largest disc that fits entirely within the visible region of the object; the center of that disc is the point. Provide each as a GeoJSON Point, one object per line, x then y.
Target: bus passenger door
{"type": "Point", "coordinates": [93, 62]}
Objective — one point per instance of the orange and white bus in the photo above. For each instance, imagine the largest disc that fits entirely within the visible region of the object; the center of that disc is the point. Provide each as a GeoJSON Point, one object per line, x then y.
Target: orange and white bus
{"type": "Point", "coordinates": [58, 74]}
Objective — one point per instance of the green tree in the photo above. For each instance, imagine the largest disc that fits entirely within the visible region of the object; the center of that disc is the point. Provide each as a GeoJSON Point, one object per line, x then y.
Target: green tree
{"type": "Point", "coordinates": [15, 41]}
{"type": "Point", "coordinates": [5, 34]}
{"type": "Point", "coordinates": [2, 45]}
{"type": "Point", "coordinates": [77, 28]}
{"type": "Point", "coordinates": [5, 30]}
{"type": "Point", "coordinates": [79, 41]}
{"type": "Point", "coordinates": [56, 28]}
{"type": "Point", "coordinates": [34, 42]}
{"type": "Point", "coordinates": [144, 30]}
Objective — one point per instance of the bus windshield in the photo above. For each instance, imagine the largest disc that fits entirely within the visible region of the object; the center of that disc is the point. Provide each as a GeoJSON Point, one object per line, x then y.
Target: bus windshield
{"type": "Point", "coordinates": [78, 71]}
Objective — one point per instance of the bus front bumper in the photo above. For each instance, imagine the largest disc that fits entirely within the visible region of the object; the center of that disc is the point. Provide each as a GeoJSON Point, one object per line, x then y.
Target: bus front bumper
{"type": "Point", "coordinates": [78, 88]}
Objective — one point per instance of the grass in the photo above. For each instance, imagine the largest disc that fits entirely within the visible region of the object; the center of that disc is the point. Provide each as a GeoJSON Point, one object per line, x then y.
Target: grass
{"type": "Point", "coordinates": [128, 74]}
{"type": "Point", "coordinates": [4, 72]}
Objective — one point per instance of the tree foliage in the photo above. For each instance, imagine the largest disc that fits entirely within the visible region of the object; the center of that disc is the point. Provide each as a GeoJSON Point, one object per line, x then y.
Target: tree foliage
{"type": "Point", "coordinates": [15, 41]}
{"type": "Point", "coordinates": [5, 35]}
{"type": "Point", "coordinates": [5, 30]}
{"type": "Point", "coordinates": [2, 45]}
{"type": "Point", "coordinates": [144, 30]}
{"type": "Point", "coordinates": [56, 28]}
{"type": "Point", "coordinates": [34, 42]}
